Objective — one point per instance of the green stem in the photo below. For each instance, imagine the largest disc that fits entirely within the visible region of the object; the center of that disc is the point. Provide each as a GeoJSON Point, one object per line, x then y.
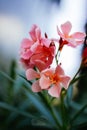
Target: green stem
{"type": "Point", "coordinates": [72, 81]}
{"type": "Point", "coordinates": [77, 78]}
{"type": "Point", "coordinates": [64, 112]}
{"type": "Point", "coordinates": [57, 56]}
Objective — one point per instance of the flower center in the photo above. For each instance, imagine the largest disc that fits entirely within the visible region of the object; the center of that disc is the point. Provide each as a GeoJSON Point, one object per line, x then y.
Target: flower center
{"type": "Point", "coordinates": [54, 79]}
{"type": "Point", "coordinates": [62, 43]}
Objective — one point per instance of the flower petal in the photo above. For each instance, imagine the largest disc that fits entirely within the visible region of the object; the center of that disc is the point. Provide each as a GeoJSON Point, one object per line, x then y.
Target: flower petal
{"type": "Point", "coordinates": [59, 33]}
{"type": "Point", "coordinates": [44, 82]}
{"type": "Point", "coordinates": [38, 33]}
{"type": "Point", "coordinates": [36, 87]}
{"type": "Point", "coordinates": [78, 35]}
{"type": "Point", "coordinates": [39, 64]}
{"type": "Point", "coordinates": [33, 33]}
{"type": "Point", "coordinates": [65, 81]}
{"type": "Point", "coordinates": [26, 43]}
{"type": "Point", "coordinates": [59, 70]}
{"type": "Point", "coordinates": [55, 91]}
{"type": "Point", "coordinates": [72, 42]}
{"type": "Point", "coordinates": [48, 72]}
{"type": "Point", "coordinates": [80, 42]}
{"type": "Point", "coordinates": [34, 47]}
{"type": "Point", "coordinates": [32, 74]}
{"type": "Point", "coordinates": [45, 42]}
{"type": "Point", "coordinates": [66, 27]}
{"type": "Point", "coordinates": [26, 63]}
{"type": "Point", "coordinates": [26, 55]}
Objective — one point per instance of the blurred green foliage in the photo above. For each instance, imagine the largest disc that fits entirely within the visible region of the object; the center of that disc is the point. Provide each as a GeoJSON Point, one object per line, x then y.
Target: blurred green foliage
{"type": "Point", "coordinates": [21, 109]}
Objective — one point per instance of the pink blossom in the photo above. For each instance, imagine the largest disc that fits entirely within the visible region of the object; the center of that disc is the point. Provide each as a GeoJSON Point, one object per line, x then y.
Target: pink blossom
{"type": "Point", "coordinates": [66, 38]}
{"type": "Point", "coordinates": [30, 53]}
{"type": "Point", "coordinates": [25, 51]}
{"type": "Point", "coordinates": [28, 46]}
{"type": "Point", "coordinates": [31, 74]}
{"type": "Point", "coordinates": [54, 80]}
{"type": "Point", "coordinates": [43, 57]}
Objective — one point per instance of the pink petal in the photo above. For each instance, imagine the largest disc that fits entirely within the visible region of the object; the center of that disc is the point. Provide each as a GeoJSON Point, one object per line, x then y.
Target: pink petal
{"type": "Point", "coordinates": [26, 63]}
{"type": "Point", "coordinates": [48, 72]}
{"type": "Point", "coordinates": [44, 82]}
{"type": "Point", "coordinates": [59, 33]}
{"type": "Point", "coordinates": [59, 70]}
{"type": "Point", "coordinates": [26, 55]}
{"type": "Point", "coordinates": [34, 47]}
{"type": "Point", "coordinates": [54, 91]}
{"type": "Point", "coordinates": [26, 43]}
{"type": "Point", "coordinates": [66, 27]}
{"type": "Point", "coordinates": [40, 61]}
{"type": "Point", "coordinates": [80, 42]}
{"type": "Point", "coordinates": [36, 87]}
{"type": "Point", "coordinates": [32, 32]}
{"type": "Point", "coordinates": [65, 81]}
{"type": "Point", "coordinates": [72, 42]}
{"type": "Point", "coordinates": [38, 33]}
{"type": "Point", "coordinates": [40, 65]}
{"type": "Point", "coordinates": [78, 35]}
{"type": "Point", "coordinates": [45, 42]}
{"type": "Point", "coordinates": [32, 74]}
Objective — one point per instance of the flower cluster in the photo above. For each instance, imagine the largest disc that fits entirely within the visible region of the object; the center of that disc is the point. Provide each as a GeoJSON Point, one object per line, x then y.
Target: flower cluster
{"type": "Point", "coordinates": [37, 54]}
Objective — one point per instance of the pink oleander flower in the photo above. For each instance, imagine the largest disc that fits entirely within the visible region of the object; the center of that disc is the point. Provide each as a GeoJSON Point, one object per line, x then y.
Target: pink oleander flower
{"type": "Point", "coordinates": [66, 38]}
{"type": "Point", "coordinates": [28, 46]}
{"type": "Point", "coordinates": [49, 79]}
{"type": "Point", "coordinates": [54, 80]}
{"type": "Point", "coordinates": [32, 51]}
{"type": "Point", "coordinates": [43, 57]}
{"type": "Point", "coordinates": [31, 74]}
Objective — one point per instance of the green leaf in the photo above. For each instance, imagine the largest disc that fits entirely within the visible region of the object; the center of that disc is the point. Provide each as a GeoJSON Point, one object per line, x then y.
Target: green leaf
{"type": "Point", "coordinates": [12, 72]}
{"type": "Point", "coordinates": [7, 76]}
{"type": "Point", "coordinates": [69, 95]}
{"type": "Point", "coordinates": [78, 113]}
{"type": "Point", "coordinates": [25, 79]}
{"type": "Point", "coordinates": [24, 105]}
{"type": "Point", "coordinates": [41, 121]}
{"type": "Point", "coordinates": [39, 105]}
{"type": "Point", "coordinates": [51, 109]}
{"type": "Point", "coordinates": [16, 110]}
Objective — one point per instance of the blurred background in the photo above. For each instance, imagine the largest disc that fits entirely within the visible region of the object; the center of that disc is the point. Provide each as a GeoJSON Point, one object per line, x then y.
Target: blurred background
{"type": "Point", "coordinates": [16, 19]}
